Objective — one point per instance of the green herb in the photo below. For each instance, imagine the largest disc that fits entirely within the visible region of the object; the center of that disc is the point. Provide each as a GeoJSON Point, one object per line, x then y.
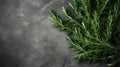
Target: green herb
{"type": "Point", "coordinates": [92, 28]}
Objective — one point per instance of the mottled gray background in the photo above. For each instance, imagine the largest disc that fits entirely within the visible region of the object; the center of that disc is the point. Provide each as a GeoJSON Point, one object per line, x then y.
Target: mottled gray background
{"type": "Point", "coordinates": [28, 38]}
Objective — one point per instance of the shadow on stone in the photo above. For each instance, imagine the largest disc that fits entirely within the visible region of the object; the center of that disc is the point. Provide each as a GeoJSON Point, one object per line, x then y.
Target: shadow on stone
{"type": "Point", "coordinates": [6, 57]}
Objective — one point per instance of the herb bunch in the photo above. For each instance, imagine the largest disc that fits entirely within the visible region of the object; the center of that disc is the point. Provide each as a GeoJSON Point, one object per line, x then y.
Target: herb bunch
{"type": "Point", "coordinates": [92, 28]}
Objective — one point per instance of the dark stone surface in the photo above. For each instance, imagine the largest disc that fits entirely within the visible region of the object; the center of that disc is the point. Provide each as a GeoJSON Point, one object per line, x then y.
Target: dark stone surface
{"type": "Point", "coordinates": [28, 39]}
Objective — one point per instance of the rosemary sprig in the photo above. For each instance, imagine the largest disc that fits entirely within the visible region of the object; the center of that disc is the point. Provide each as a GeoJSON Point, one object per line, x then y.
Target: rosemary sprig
{"type": "Point", "coordinates": [94, 31]}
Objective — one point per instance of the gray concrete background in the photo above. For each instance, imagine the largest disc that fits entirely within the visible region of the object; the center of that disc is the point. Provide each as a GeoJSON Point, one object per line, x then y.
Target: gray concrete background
{"type": "Point", "coordinates": [28, 38]}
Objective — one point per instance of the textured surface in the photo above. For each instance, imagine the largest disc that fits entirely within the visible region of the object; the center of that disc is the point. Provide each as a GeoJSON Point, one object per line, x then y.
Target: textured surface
{"type": "Point", "coordinates": [28, 38]}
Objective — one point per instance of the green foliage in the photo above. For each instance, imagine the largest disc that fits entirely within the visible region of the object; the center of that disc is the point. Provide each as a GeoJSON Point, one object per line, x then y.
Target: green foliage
{"type": "Point", "coordinates": [93, 29]}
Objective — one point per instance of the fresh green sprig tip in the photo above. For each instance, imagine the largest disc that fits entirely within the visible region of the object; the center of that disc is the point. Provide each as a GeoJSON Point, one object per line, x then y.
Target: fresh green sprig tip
{"type": "Point", "coordinates": [94, 30]}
